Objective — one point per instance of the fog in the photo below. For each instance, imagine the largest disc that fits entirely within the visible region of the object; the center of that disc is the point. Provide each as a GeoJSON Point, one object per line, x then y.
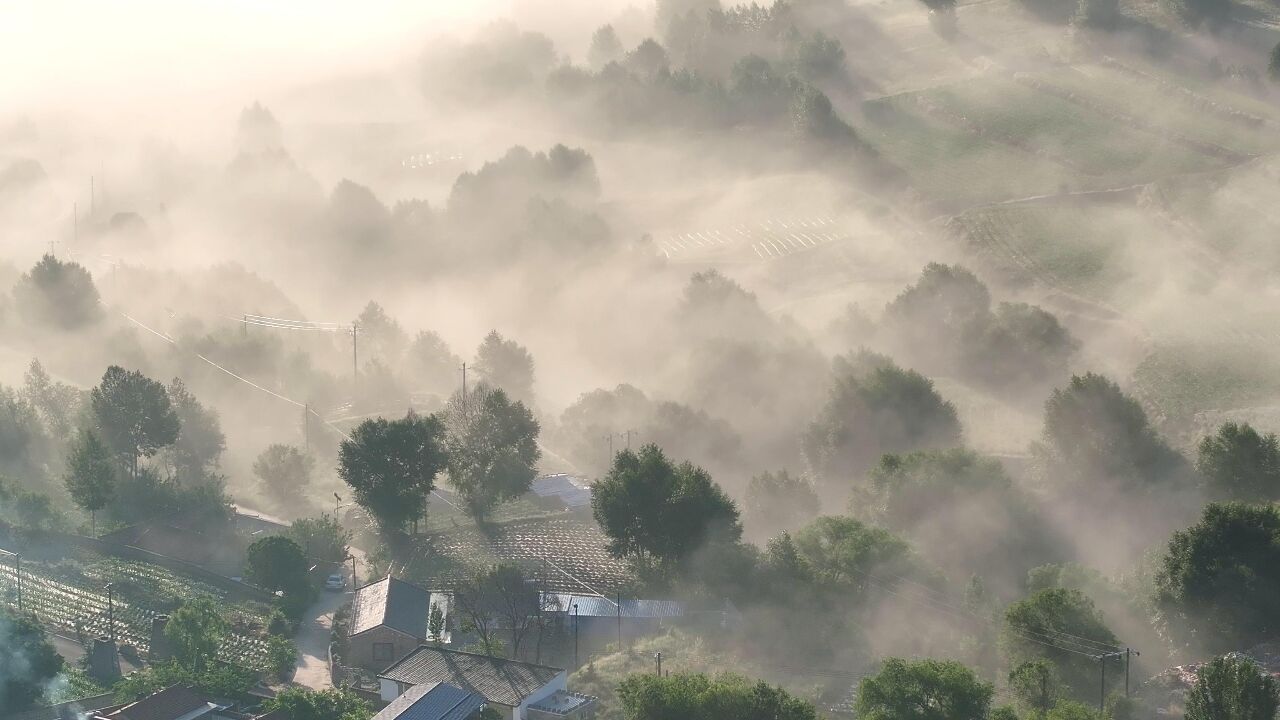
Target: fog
{"type": "Point", "coordinates": [818, 237]}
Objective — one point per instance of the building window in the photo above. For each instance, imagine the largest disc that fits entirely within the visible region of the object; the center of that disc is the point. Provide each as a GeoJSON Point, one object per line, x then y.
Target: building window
{"type": "Point", "coordinates": [383, 651]}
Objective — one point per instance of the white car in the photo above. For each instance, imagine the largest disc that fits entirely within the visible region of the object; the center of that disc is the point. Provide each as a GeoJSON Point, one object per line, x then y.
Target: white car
{"type": "Point", "coordinates": [336, 581]}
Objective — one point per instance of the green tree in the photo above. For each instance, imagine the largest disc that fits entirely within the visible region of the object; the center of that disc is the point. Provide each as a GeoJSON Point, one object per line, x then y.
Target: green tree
{"type": "Point", "coordinates": [322, 538]}
{"type": "Point", "coordinates": [492, 446]}
{"type": "Point", "coordinates": [58, 294]}
{"type": "Point", "coordinates": [282, 655]}
{"type": "Point", "coordinates": [277, 563]}
{"type": "Point", "coordinates": [1031, 624]}
{"type": "Point", "coordinates": [923, 690]}
{"type": "Point", "coordinates": [432, 364]}
{"type": "Point", "coordinates": [197, 450]}
{"type": "Point", "coordinates": [506, 365]}
{"type": "Point", "coordinates": [694, 696]}
{"type": "Point", "coordinates": [133, 414]}
{"type": "Point", "coordinates": [777, 502]}
{"type": "Point", "coordinates": [1233, 688]}
{"type": "Point", "coordinates": [605, 47]}
{"type": "Point", "coordinates": [383, 338]}
{"type": "Point", "coordinates": [1095, 435]}
{"type": "Point", "coordinates": [391, 465]}
{"type": "Point", "coordinates": [220, 680]}
{"type": "Point", "coordinates": [656, 512]}
{"type": "Point", "coordinates": [1219, 582]}
{"type": "Point", "coordinates": [332, 704]}
{"type": "Point", "coordinates": [435, 624]}
{"type": "Point", "coordinates": [22, 442]}
{"type": "Point", "coordinates": [839, 552]}
{"type": "Point", "coordinates": [285, 472]}
{"type": "Point", "coordinates": [501, 598]}
{"type": "Point", "coordinates": [59, 404]}
{"type": "Point", "coordinates": [876, 408]}
{"type": "Point", "coordinates": [91, 475]}
{"type": "Point", "coordinates": [27, 662]}
{"type": "Point", "coordinates": [195, 630]}
{"type": "Point", "coordinates": [1035, 685]}
{"type": "Point", "coordinates": [1237, 463]}
{"type": "Point", "coordinates": [961, 511]}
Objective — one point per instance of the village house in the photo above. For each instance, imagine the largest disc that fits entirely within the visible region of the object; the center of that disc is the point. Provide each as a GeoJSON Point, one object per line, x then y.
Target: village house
{"type": "Point", "coordinates": [389, 618]}
{"type": "Point", "coordinates": [518, 690]}
{"type": "Point", "coordinates": [438, 701]}
{"type": "Point", "coordinates": [600, 620]}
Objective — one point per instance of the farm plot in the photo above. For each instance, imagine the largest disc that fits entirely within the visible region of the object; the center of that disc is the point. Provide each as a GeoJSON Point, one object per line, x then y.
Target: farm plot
{"type": "Point", "coordinates": [576, 548]}
{"type": "Point", "coordinates": [765, 241]}
{"type": "Point", "coordinates": [1172, 112]}
{"type": "Point", "coordinates": [954, 167]}
{"type": "Point", "coordinates": [81, 608]}
{"type": "Point", "coordinates": [1002, 110]}
{"type": "Point", "coordinates": [1056, 246]}
{"type": "Point", "coordinates": [1232, 212]}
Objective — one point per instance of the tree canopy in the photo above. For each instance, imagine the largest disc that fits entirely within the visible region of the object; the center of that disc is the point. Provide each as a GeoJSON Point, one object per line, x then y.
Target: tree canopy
{"type": "Point", "coordinates": [28, 661]}
{"type": "Point", "coordinates": [196, 630]}
{"type": "Point", "coordinates": [778, 502]}
{"type": "Point", "coordinates": [133, 414]}
{"type": "Point", "coordinates": [492, 448]}
{"type": "Point", "coordinates": [198, 448]}
{"type": "Point", "coordinates": [391, 465]}
{"type": "Point", "coordinates": [91, 474]}
{"type": "Point", "coordinates": [656, 512]}
{"type": "Point", "coordinates": [875, 408]}
{"type": "Point", "coordinates": [333, 704]}
{"type": "Point", "coordinates": [1219, 582]}
{"type": "Point", "coordinates": [1031, 626]}
{"type": "Point", "coordinates": [56, 293]}
{"type": "Point", "coordinates": [506, 365]}
{"type": "Point", "coordinates": [923, 690]}
{"type": "Point", "coordinates": [694, 696]}
{"type": "Point", "coordinates": [1237, 463]}
{"type": "Point", "coordinates": [277, 563]}
{"type": "Point", "coordinates": [285, 471]}
{"type": "Point", "coordinates": [1233, 688]}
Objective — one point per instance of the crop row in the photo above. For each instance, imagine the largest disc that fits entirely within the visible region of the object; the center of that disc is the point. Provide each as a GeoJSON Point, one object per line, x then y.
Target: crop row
{"type": "Point", "coordinates": [88, 612]}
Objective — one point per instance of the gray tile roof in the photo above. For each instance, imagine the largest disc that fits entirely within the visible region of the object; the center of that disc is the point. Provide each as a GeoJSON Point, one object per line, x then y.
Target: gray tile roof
{"type": "Point", "coordinates": [506, 682]}
{"type": "Point", "coordinates": [597, 606]}
{"type": "Point", "coordinates": [169, 704]}
{"type": "Point", "coordinates": [438, 701]}
{"type": "Point", "coordinates": [393, 603]}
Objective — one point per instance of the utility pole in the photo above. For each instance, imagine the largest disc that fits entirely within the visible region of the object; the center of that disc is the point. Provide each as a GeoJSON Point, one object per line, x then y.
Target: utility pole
{"type": "Point", "coordinates": [609, 438]}
{"type": "Point", "coordinates": [244, 325]}
{"type": "Point", "coordinates": [1102, 685]}
{"type": "Point", "coordinates": [576, 664]}
{"type": "Point", "coordinates": [336, 500]}
{"type": "Point", "coordinates": [1127, 653]}
{"type": "Point", "coordinates": [355, 362]}
{"type": "Point", "coordinates": [628, 435]}
{"type": "Point", "coordinates": [306, 431]}
{"type": "Point", "coordinates": [658, 657]}
{"type": "Point", "coordinates": [354, 582]}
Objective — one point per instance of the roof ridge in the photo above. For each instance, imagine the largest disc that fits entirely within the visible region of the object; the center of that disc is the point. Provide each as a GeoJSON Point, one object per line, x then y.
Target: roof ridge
{"type": "Point", "coordinates": [505, 661]}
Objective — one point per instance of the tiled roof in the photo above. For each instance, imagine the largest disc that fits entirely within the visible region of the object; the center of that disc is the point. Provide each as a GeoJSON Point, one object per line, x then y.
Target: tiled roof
{"type": "Point", "coordinates": [438, 701]}
{"type": "Point", "coordinates": [168, 704]}
{"type": "Point", "coordinates": [506, 682]}
{"type": "Point", "coordinates": [573, 492]}
{"type": "Point", "coordinates": [393, 603]}
{"type": "Point", "coordinates": [597, 606]}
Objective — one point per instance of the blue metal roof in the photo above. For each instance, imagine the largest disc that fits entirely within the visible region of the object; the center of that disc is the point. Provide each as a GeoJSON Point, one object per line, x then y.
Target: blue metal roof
{"type": "Point", "coordinates": [572, 491]}
{"type": "Point", "coordinates": [597, 606]}
{"type": "Point", "coordinates": [437, 701]}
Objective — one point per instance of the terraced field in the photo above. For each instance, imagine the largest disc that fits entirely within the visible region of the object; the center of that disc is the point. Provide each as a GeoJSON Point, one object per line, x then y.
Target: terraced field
{"type": "Point", "coordinates": [568, 552]}
{"type": "Point", "coordinates": [79, 605]}
{"type": "Point", "coordinates": [1055, 246]}
{"type": "Point", "coordinates": [763, 241]}
{"type": "Point", "coordinates": [952, 165]}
